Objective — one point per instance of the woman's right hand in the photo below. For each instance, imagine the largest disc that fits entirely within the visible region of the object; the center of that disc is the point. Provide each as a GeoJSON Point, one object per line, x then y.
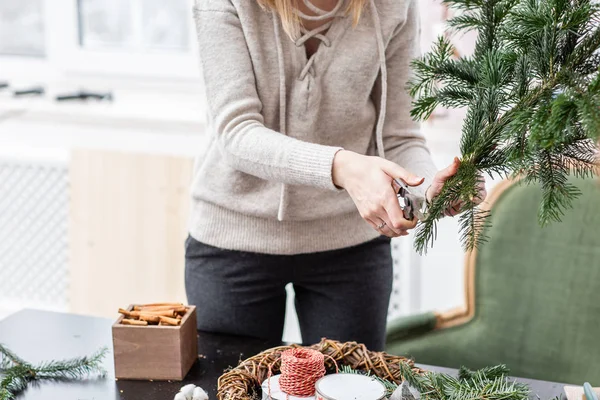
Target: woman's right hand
{"type": "Point", "coordinates": [368, 181]}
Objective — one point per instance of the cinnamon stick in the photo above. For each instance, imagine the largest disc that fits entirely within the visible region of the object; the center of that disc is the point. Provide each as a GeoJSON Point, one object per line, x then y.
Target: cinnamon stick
{"type": "Point", "coordinates": [150, 318]}
{"type": "Point", "coordinates": [165, 313]}
{"type": "Point", "coordinates": [171, 305]}
{"type": "Point", "coordinates": [133, 322]}
{"type": "Point", "coordinates": [170, 321]}
{"type": "Point", "coordinates": [125, 312]}
{"type": "Point", "coordinates": [177, 309]}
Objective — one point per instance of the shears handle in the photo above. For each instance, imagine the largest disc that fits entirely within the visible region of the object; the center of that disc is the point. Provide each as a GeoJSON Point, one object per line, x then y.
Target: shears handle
{"type": "Point", "coordinates": [589, 392]}
{"type": "Point", "coordinates": [401, 190]}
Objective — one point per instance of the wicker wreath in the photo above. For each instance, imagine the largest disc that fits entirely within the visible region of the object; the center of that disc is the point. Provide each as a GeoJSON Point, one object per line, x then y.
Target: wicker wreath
{"type": "Point", "coordinates": [243, 382]}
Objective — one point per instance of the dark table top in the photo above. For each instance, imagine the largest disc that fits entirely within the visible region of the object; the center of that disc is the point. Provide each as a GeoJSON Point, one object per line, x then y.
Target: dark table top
{"type": "Point", "coordinates": [40, 336]}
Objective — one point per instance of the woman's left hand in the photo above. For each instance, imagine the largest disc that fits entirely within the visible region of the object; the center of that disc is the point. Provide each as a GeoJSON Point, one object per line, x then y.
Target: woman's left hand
{"type": "Point", "coordinates": [438, 182]}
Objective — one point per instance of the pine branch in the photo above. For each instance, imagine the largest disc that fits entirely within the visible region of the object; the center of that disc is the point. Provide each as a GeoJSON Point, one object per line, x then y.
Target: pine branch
{"type": "Point", "coordinates": [581, 158]}
{"type": "Point", "coordinates": [557, 193]}
{"type": "Point", "coordinates": [452, 97]}
{"type": "Point", "coordinates": [532, 89]}
{"type": "Point", "coordinates": [491, 383]}
{"type": "Point", "coordinates": [472, 224]}
{"type": "Point", "coordinates": [460, 187]}
{"type": "Point", "coordinates": [488, 383]}
{"type": "Point", "coordinates": [466, 22]}
{"type": "Point", "coordinates": [75, 368]}
{"type": "Point", "coordinates": [417, 381]}
{"type": "Point", "coordinates": [17, 373]}
{"type": "Point", "coordinates": [465, 374]}
{"type": "Point", "coordinates": [9, 359]}
{"type": "Point", "coordinates": [461, 72]}
{"type": "Point", "coordinates": [497, 389]}
{"type": "Point", "coordinates": [14, 380]}
{"type": "Point", "coordinates": [464, 5]}
{"type": "Point", "coordinates": [588, 108]}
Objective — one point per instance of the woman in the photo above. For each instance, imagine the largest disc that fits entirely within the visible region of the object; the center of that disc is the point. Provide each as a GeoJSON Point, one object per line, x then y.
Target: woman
{"type": "Point", "coordinates": [309, 120]}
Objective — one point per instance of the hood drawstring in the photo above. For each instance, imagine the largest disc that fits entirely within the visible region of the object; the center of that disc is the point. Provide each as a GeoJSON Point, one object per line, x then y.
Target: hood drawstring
{"type": "Point", "coordinates": [282, 87]}
{"type": "Point", "coordinates": [384, 85]}
{"type": "Point", "coordinates": [282, 108]}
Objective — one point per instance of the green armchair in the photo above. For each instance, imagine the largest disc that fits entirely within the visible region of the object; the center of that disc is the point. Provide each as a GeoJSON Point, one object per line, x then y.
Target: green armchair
{"type": "Point", "coordinates": [532, 297]}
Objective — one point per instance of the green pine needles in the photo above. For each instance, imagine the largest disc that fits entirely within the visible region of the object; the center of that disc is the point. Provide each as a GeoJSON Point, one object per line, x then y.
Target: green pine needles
{"type": "Point", "coordinates": [491, 383]}
{"type": "Point", "coordinates": [532, 93]}
{"type": "Point", "coordinates": [488, 383]}
{"type": "Point", "coordinates": [16, 373]}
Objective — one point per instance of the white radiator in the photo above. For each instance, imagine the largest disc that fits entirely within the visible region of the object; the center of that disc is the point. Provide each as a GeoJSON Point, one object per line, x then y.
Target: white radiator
{"type": "Point", "coordinates": [33, 233]}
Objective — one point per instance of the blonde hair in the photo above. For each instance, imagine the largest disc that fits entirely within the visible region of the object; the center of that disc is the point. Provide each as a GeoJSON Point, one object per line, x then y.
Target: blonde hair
{"type": "Point", "coordinates": [291, 21]}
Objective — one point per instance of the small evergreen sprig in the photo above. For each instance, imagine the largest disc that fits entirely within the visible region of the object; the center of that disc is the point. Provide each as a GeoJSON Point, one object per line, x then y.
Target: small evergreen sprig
{"type": "Point", "coordinates": [532, 93]}
{"type": "Point", "coordinates": [16, 373]}
{"type": "Point", "coordinates": [488, 383]}
{"type": "Point", "coordinates": [491, 383]}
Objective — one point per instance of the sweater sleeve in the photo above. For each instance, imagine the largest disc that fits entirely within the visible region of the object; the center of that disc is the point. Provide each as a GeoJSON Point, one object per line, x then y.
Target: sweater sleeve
{"type": "Point", "coordinates": [402, 139]}
{"type": "Point", "coordinates": [235, 108]}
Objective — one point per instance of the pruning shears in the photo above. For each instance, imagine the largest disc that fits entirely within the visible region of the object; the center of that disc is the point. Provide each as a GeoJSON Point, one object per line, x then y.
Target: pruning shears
{"type": "Point", "coordinates": [412, 204]}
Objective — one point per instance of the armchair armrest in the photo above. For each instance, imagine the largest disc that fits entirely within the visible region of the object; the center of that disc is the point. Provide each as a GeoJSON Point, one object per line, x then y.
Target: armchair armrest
{"type": "Point", "coordinates": [412, 325]}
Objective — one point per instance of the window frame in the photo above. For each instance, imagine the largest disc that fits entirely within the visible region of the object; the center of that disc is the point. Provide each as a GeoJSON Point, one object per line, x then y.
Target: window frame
{"type": "Point", "coordinates": [65, 57]}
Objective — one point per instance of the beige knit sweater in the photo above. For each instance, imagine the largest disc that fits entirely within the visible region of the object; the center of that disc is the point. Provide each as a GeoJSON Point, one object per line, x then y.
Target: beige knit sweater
{"type": "Point", "coordinates": [277, 118]}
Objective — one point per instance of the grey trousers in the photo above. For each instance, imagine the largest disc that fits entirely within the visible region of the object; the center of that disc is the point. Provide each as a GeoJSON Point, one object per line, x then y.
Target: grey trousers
{"type": "Point", "coordinates": [340, 294]}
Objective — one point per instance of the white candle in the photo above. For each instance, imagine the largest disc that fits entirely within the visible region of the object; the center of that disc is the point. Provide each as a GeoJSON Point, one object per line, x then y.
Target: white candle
{"type": "Point", "coordinates": [349, 386]}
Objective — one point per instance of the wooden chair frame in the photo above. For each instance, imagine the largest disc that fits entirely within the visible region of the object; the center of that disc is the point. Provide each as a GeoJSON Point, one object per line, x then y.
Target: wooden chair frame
{"type": "Point", "coordinates": [463, 314]}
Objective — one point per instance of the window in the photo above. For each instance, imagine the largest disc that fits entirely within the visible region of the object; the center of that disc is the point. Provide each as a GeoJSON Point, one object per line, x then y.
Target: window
{"type": "Point", "coordinates": [105, 23]}
{"type": "Point", "coordinates": [22, 28]}
{"type": "Point", "coordinates": [134, 25]}
{"type": "Point", "coordinates": [166, 27]}
{"type": "Point", "coordinates": [118, 38]}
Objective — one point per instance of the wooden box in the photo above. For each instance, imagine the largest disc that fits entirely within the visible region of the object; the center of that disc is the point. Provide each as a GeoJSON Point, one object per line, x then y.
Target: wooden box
{"type": "Point", "coordinates": [155, 352]}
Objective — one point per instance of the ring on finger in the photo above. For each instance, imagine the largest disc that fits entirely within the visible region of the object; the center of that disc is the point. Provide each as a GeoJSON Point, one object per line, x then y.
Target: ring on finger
{"type": "Point", "coordinates": [381, 226]}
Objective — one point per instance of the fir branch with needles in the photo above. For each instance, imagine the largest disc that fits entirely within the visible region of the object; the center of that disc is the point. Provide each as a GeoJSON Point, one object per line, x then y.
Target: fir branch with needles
{"type": "Point", "coordinates": [491, 383]}
{"type": "Point", "coordinates": [16, 373]}
{"type": "Point", "coordinates": [532, 94]}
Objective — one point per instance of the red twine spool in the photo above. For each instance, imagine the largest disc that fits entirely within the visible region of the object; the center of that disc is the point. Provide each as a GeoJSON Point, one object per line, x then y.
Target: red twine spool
{"type": "Point", "coordinates": [301, 368]}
